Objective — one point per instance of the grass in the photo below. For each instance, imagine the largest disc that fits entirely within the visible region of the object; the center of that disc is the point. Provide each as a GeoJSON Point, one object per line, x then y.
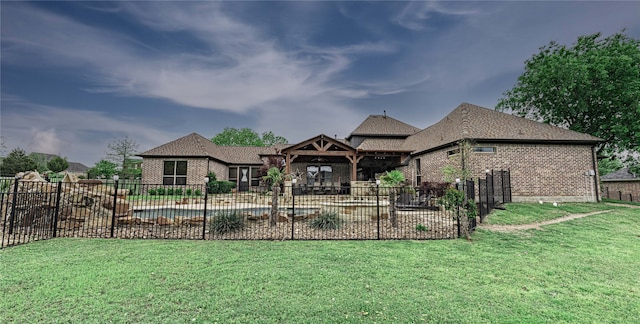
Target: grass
{"type": "Point", "coordinates": [527, 213]}
{"type": "Point", "coordinates": [634, 203]}
{"type": "Point", "coordinates": [585, 270]}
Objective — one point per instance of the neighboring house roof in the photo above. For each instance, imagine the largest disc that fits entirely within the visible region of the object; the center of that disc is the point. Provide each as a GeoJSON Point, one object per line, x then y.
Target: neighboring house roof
{"type": "Point", "coordinates": [622, 174]}
{"type": "Point", "coordinates": [74, 167]}
{"type": "Point", "coordinates": [383, 125]}
{"type": "Point", "coordinates": [77, 167]}
{"type": "Point", "coordinates": [382, 144]}
{"type": "Point", "coordinates": [196, 145]}
{"type": "Point", "coordinates": [469, 121]}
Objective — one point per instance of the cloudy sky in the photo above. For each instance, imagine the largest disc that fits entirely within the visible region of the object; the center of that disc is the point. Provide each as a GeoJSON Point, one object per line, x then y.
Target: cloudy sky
{"type": "Point", "coordinates": [78, 75]}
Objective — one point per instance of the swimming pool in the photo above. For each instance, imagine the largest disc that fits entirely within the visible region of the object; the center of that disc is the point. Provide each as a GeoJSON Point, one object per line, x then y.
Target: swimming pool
{"type": "Point", "coordinates": [173, 212]}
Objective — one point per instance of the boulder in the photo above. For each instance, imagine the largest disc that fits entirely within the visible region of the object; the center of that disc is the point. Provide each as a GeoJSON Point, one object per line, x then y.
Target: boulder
{"type": "Point", "coordinates": [197, 220]}
{"type": "Point", "coordinates": [179, 220]}
{"type": "Point", "coordinates": [164, 221]}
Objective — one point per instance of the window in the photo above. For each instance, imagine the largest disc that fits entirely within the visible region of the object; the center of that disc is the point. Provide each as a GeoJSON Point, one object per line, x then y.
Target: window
{"type": "Point", "coordinates": [255, 178]}
{"type": "Point", "coordinates": [312, 173]}
{"type": "Point", "coordinates": [484, 149]}
{"type": "Point", "coordinates": [233, 174]}
{"type": "Point", "coordinates": [326, 174]}
{"type": "Point", "coordinates": [453, 152]}
{"type": "Point", "coordinates": [174, 173]}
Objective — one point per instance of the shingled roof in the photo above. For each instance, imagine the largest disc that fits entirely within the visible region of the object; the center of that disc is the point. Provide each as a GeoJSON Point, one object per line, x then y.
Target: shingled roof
{"type": "Point", "coordinates": [192, 145]}
{"type": "Point", "coordinates": [469, 121]}
{"type": "Point", "coordinates": [195, 145]}
{"type": "Point", "coordinates": [382, 144]}
{"type": "Point", "coordinates": [383, 125]}
{"type": "Point", "coordinates": [622, 174]}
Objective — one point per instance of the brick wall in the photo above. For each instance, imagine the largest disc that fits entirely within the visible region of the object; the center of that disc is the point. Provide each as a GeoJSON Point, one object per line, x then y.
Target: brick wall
{"type": "Point", "coordinates": [197, 169]}
{"type": "Point", "coordinates": [538, 171]}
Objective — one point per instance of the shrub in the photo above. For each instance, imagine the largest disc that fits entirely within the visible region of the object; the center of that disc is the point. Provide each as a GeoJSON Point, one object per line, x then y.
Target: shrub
{"type": "Point", "coordinates": [189, 192]}
{"type": "Point", "coordinates": [177, 191]}
{"type": "Point", "coordinates": [421, 228]}
{"type": "Point", "coordinates": [170, 192]}
{"type": "Point", "coordinates": [437, 189]}
{"type": "Point", "coordinates": [160, 191]}
{"type": "Point", "coordinates": [226, 186]}
{"type": "Point", "coordinates": [227, 222]}
{"type": "Point", "coordinates": [218, 187]}
{"type": "Point", "coordinates": [327, 220]}
{"type": "Point", "coordinates": [198, 192]}
{"type": "Point", "coordinates": [452, 198]}
{"type": "Point", "coordinates": [472, 209]}
{"type": "Point", "coordinates": [152, 192]}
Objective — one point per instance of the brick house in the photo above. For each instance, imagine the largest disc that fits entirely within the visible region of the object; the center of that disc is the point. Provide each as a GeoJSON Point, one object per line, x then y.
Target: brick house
{"type": "Point", "coordinates": [621, 185]}
{"type": "Point", "coordinates": [546, 162]}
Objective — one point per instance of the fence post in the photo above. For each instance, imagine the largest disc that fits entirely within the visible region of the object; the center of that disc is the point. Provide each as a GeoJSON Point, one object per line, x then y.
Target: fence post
{"type": "Point", "coordinates": [502, 174]}
{"type": "Point", "coordinates": [57, 210]}
{"type": "Point", "coordinates": [13, 205]}
{"type": "Point", "coordinates": [115, 202]}
{"type": "Point", "coordinates": [458, 219]}
{"type": "Point", "coordinates": [619, 195]}
{"type": "Point", "coordinates": [378, 206]}
{"type": "Point", "coordinates": [293, 204]}
{"type": "Point", "coordinates": [206, 201]}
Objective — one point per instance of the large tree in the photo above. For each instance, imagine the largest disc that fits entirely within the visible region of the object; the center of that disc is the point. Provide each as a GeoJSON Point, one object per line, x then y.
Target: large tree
{"type": "Point", "coordinates": [121, 150]}
{"type": "Point", "coordinates": [58, 164]}
{"type": "Point", "coordinates": [246, 137]}
{"type": "Point", "coordinates": [16, 161]}
{"type": "Point", "coordinates": [40, 160]}
{"type": "Point", "coordinates": [591, 87]}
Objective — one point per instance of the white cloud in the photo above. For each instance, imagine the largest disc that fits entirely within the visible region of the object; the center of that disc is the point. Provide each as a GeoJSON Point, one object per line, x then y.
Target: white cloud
{"type": "Point", "coordinates": [80, 135]}
{"type": "Point", "coordinates": [416, 14]}
{"type": "Point", "coordinates": [45, 141]}
{"type": "Point", "coordinates": [238, 69]}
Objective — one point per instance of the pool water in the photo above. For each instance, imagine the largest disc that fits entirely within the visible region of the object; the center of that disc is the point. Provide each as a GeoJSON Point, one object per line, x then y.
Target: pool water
{"type": "Point", "coordinates": [172, 213]}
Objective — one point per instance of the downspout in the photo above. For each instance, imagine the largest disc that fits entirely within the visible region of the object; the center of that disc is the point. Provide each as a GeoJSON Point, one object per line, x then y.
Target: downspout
{"type": "Point", "coordinates": [596, 173]}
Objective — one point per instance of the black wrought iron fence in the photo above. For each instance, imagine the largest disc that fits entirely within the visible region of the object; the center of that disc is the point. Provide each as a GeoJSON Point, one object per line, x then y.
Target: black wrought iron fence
{"type": "Point", "coordinates": [493, 190]}
{"type": "Point", "coordinates": [621, 195]}
{"type": "Point", "coordinates": [37, 211]}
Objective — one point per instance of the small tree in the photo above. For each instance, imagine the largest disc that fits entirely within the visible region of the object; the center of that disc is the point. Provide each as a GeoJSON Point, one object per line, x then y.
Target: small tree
{"type": "Point", "coordinates": [57, 164]}
{"type": "Point", "coordinates": [393, 179]}
{"type": "Point", "coordinates": [454, 198]}
{"type": "Point", "coordinates": [103, 168]}
{"type": "Point", "coordinates": [274, 178]}
{"type": "Point", "coordinates": [17, 161]}
{"type": "Point", "coordinates": [121, 150]}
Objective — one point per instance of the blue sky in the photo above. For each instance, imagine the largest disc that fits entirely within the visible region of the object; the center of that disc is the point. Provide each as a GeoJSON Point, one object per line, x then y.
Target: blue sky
{"type": "Point", "coordinates": [78, 75]}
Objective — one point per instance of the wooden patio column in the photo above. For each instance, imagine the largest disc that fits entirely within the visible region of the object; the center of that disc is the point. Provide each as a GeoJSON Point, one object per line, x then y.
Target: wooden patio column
{"type": "Point", "coordinates": [354, 159]}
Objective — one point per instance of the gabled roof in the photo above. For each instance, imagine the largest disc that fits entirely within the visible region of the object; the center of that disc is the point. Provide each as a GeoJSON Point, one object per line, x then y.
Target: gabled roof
{"type": "Point", "coordinates": [382, 144]}
{"type": "Point", "coordinates": [245, 154]}
{"type": "Point", "coordinates": [469, 121]}
{"type": "Point", "coordinates": [195, 145]}
{"type": "Point", "coordinates": [622, 174]}
{"type": "Point", "coordinates": [383, 125]}
{"type": "Point", "coordinates": [320, 140]}
{"type": "Point", "coordinates": [192, 145]}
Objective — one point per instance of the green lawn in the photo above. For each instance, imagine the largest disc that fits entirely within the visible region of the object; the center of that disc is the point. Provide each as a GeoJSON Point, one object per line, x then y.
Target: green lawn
{"type": "Point", "coordinates": [523, 213]}
{"type": "Point", "coordinates": [582, 271]}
